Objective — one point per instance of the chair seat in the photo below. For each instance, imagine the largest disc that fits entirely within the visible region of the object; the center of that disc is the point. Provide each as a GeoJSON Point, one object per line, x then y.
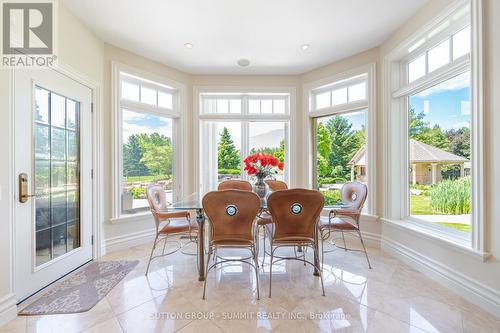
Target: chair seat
{"type": "Point", "coordinates": [269, 230]}
{"type": "Point", "coordinates": [232, 242]}
{"type": "Point", "coordinates": [264, 218]}
{"type": "Point", "coordinates": [335, 223]}
{"type": "Point", "coordinates": [177, 225]}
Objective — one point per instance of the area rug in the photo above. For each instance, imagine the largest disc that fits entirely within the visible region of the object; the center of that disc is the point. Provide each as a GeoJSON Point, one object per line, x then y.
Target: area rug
{"type": "Point", "coordinates": [82, 289]}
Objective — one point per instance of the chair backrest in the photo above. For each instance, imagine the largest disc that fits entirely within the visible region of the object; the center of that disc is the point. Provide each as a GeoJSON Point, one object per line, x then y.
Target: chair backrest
{"type": "Point", "coordinates": [231, 214]}
{"type": "Point", "coordinates": [295, 213]}
{"type": "Point", "coordinates": [354, 193]}
{"type": "Point", "coordinates": [235, 184]}
{"type": "Point", "coordinates": [157, 200]}
{"type": "Point", "coordinates": [276, 185]}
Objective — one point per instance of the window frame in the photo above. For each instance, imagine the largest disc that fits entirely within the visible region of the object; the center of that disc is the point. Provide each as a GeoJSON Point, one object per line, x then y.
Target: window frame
{"type": "Point", "coordinates": [395, 117]}
{"type": "Point", "coordinates": [365, 73]}
{"type": "Point", "coordinates": [176, 114]}
{"type": "Point", "coordinates": [245, 93]}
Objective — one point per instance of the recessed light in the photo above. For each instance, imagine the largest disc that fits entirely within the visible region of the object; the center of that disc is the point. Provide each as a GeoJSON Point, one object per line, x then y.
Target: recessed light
{"type": "Point", "coordinates": [188, 45]}
{"type": "Point", "coordinates": [243, 62]}
{"type": "Point", "coordinates": [305, 47]}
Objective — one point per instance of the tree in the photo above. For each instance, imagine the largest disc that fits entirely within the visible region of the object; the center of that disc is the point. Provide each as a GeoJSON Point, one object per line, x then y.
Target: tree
{"type": "Point", "coordinates": [416, 122]}
{"type": "Point", "coordinates": [158, 159]}
{"type": "Point", "coordinates": [344, 144]}
{"type": "Point", "coordinates": [280, 153]}
{"type": "Point", "coordinates": [459, 141]}
{"type": "Point", "coordinates": [132, 155]}
{"type": "Point", "coordinates": [323, 141]}
{"type": "Point", "coordinates": [433, 136]}
{"type": "Point", "coordinates": [228, 156]}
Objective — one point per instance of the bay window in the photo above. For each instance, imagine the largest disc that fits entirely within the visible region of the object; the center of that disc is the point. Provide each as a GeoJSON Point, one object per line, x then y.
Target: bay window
{"type": "Point", "coordinates": [234, 125]}
{"type": "Point", "coordinates": [341, 149]}
{"type": "Point", "coordinates": [146, 116]}
{"type": "Point", "coordinates": [434, 130]}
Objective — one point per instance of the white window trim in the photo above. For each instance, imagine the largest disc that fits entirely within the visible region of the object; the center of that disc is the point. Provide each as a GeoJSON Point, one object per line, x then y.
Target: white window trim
{"type": "Point", "coordinates": [395, 121]}
{"type": "Point", "coordinates": [371, 123]}
{"type": "Point", "coordinates": [288, 117]}
{"type": "Point", "coordinates": [179, 134]}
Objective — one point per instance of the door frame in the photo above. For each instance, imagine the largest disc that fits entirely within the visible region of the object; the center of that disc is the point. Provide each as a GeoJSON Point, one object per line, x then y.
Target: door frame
{"type": "Point", "coordinates": [97, 167]}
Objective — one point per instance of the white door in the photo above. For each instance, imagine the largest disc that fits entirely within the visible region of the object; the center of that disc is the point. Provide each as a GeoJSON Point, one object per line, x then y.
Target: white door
{"type": "Point", "coordinates": [53, 158]}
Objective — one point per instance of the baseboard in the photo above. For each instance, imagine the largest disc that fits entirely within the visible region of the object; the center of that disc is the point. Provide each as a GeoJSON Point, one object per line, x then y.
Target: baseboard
{"type": "Point", "coordinates": [470, 289]}
{"type": "Point", "coordinates": [8, 309]}
{"type": "Point", "coordinates": [125, 241]}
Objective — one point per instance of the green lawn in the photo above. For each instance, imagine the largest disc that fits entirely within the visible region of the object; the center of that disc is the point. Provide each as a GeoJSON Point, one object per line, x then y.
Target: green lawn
{"type": "Point", "coordinates": [421, 205]}
{"type": "Point", "coordinates": [144, 179]}
{"type": "Point", "coordinates": [458, 226]}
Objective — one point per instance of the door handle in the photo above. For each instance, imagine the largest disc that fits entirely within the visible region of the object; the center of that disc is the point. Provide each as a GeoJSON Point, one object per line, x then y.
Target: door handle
{"type": "Point", "coordinates": [23, 188]}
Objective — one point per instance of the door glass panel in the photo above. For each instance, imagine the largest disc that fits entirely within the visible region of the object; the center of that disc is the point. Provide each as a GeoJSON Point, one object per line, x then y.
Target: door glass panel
{"type": "Point", "coordinates": [56, 177]}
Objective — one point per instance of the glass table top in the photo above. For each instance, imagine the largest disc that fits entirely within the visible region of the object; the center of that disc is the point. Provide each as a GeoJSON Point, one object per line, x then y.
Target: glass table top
{"type": "Point", "coordinates": [193, 201]}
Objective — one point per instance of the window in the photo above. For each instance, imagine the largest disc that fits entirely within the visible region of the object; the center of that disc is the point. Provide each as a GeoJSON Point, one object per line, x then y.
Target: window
{"type": "Point", "coordinates": [259, 123]}
{"type": "Point", "coordinates": [453, 47]}
{"type": "Point", "coordinates": [431, 132]}
{"type": "Point", "coordinates": [147, 119]}
{"type": "Point", "coordinates": [440, 153]}
{"type": "Point", "coordinates": [339, 93]}
{"type": "Point", "coordinates": [339, 135]}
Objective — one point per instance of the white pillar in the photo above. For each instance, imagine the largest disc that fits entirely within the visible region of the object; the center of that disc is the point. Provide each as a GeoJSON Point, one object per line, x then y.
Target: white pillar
{"type": "Point", "coordinates": [414, 173]}
{"type": "Point", "coordinates": [462, 170]}
{"type": "Point", "coordinates": [352, 173]}
{"type": "Point", "coordinates": [434, 173]}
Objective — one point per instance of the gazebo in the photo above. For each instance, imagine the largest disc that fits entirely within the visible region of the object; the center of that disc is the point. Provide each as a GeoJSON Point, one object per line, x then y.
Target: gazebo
{"type": "Point", "coordinates": [425, 163]}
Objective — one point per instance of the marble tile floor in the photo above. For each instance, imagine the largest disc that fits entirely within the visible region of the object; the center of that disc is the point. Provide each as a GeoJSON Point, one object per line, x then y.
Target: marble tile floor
{"type": "Point", "coordinates": [392, 297]}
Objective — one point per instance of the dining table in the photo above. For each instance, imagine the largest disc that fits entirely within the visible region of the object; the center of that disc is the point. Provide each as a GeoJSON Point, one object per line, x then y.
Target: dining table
{"type": "Point", "coordinates": [193, 201]}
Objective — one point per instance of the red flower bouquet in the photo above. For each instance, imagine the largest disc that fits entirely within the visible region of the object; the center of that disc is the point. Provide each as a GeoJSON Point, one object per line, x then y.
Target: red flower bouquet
{"type": "Point", "coordinates": [262, 165]}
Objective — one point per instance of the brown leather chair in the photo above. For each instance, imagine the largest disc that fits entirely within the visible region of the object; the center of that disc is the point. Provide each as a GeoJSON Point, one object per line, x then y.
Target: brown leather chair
{"type": "Point", "coordinates": [168, 223]}
{"type": "Point", "coordinates": [295, 216]}
{"type": "Point", "coordinates": [346, 219]}
{"type": "Point", "coordinates": [276, 185]}
{"type": "Point", "coordinates": [235, 184]}
{"type": "Point", "coordinates": [231, 214]}
{"type": "Point", "coordinates": [264, 216]}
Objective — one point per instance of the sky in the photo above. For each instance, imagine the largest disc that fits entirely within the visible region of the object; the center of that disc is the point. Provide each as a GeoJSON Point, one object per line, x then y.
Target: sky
{"type": "Point", "coordinates": [446, 104]}
{"type": "Point", "coordinates": [137, 122]}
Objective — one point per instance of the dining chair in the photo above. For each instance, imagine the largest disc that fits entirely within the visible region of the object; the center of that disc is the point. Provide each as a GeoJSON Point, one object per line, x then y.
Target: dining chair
{"type": "Point", "coordinates": [346, 220]}
{"type": "Point", "coordinates": [264, 216]}
{"type": "Point", "coordinates": [235, 184]}
{"type": "Point", "coordinates": [295, 216]}
{"type": "Point", "coordinates": [231, 214]}
{"type": "Point", "coordinates": [276, 185]}
{"type": "Point", "coordinates": [168, 223]}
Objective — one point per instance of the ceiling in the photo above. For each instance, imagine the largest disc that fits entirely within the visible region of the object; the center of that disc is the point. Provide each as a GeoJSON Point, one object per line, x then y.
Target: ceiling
{"type": "Point", "coordinates": [269, 33]}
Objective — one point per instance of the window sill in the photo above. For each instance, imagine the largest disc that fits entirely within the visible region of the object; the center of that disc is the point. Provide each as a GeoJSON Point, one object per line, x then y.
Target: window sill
{"type": "Point", "coordinates": [449, 240]}
{"type": "Point", "coordinates": [125, 218]}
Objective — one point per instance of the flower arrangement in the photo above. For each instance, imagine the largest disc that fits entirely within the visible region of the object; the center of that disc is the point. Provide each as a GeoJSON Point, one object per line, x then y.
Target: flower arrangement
{"type": "Point", "coordinates": [262, 165]}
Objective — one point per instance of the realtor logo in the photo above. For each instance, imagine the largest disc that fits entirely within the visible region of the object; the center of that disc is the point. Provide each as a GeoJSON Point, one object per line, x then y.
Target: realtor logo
{"type": "Point", "coordinates": [28, 34]}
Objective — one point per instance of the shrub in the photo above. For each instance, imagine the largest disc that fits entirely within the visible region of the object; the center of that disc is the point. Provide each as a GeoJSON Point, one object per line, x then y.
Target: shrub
{"type": "Point", "coordinates": [331, 197]}
{"type": "Point", "coordinates": [138, 192]}
{"type": "Point", "coordinates": [331, 180]}
{"type": "Point", "coordinates": [229, 171]}
{"type": "Point", "coordinates": [452, 196]}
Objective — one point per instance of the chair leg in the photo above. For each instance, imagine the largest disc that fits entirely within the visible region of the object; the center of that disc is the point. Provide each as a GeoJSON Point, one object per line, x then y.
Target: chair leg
{"type": "Point", "coordinates": [319, 270]}
{"type": "Point", "coordinates": [256, 261]}
{"type": "Point", "coordinates": [164, 245]}
{"type": "Point", "coordinates": [271, 270]}
{"type": "Point", "coordinates": [151, 255]}
{"type": "Point", "coordinates": [264, 243]}
{"type": "Point", "coordinates": [322, 249]}
{"type": "Point", "coordinates": [343, 238]}
{"type": "Point", "coordinates": [364, 248]}
{"type": "Point", "coordinates": [206, 271]}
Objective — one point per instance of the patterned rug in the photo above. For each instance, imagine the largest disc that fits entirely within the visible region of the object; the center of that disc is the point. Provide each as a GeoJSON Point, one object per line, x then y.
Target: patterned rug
{"type": "Point", "coordinates": [82, 289]}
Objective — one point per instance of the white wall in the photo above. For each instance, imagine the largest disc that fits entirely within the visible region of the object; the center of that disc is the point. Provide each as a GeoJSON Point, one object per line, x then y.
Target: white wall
{"type": "Point", "coordinates": [75, 40]}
